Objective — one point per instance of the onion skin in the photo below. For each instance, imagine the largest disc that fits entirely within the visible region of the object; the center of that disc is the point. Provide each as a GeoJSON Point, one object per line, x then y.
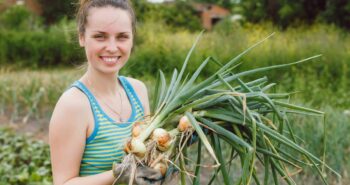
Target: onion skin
{"type": "Point", "coordinates": [136, 147]}
{"type": "Point", "coordinates": [137, 128]}
{"type": "Point", "coordinates": [164, 147]}
{"type": "Point", "coordinates": [184, 124]}
{"type": "Point", "coordinates": [127, 148]}
{"type": "Point", "coordinates": [162, 137]}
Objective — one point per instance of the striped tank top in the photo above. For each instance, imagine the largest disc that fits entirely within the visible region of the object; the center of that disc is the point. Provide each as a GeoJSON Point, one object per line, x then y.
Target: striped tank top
{"type": "Point", "coordinates": [105, 145]}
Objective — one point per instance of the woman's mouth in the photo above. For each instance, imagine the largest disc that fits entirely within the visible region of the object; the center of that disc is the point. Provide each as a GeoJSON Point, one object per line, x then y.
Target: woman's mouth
{"type": "Point", "coordinates": [110, 60]}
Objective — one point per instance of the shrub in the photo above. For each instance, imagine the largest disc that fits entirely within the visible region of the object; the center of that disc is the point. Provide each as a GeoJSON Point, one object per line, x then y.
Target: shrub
{"type": "Point", "coordinates": [19, 18]}
{"type": "Point", "coordinates": [50, 48]}
{"type": "Point", "coordinates": [22, 160]}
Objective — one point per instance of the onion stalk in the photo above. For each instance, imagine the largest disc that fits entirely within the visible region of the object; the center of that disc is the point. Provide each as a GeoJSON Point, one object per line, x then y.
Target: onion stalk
{"type": "Point", "coordinates": [243, 110]}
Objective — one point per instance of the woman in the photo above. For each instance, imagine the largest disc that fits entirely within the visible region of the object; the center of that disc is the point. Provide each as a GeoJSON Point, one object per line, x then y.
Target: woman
{"type": "Point", "coordinates": [93, 118]}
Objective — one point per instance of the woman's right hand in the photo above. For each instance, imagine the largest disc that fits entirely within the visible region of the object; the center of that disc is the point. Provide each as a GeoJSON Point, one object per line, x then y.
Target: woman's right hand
{"type": "Point", "coordinates": [143, 176]}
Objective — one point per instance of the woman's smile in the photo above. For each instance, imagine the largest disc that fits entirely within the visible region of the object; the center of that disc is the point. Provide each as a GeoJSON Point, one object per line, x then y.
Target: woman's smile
{"type": "Point", "coordinates": [110, 60]}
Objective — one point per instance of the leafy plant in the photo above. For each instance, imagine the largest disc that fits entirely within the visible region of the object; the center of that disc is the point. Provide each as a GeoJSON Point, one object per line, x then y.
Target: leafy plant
{"type": "Point", "coordinates": [23, 161]}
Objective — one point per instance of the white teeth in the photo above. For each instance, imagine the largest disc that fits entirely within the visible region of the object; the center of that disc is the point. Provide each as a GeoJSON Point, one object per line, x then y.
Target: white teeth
{"type": "Point", "coordinates": [110, 59]}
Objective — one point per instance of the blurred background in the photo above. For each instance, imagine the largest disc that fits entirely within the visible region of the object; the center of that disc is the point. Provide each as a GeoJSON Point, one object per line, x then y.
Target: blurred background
{"type": "Point", "coordinates": [40, 57]}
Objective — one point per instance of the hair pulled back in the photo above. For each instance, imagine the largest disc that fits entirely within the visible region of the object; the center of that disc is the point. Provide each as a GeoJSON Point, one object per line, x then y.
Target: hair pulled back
{"type": "Point", "coordinates": [86, 5]}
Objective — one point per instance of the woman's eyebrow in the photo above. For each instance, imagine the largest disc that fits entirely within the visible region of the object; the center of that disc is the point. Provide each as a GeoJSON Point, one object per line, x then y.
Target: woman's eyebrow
{"type": "Point", "coordinates": [100, 32]}
{"type": "Point", "coordinates": [125, 32]}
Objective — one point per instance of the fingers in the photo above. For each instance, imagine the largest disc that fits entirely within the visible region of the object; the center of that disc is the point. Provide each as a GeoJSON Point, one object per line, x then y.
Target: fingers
{"type": "Point", "coordinates": [172, 179]}
{"type": "Point", "coordinates": [145, 181]}
{"type": "Point", "coordinates": [149, 173]}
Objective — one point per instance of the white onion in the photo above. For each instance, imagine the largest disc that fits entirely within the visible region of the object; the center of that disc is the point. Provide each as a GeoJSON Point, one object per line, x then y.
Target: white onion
{"type": "Point", "coordinates": [184, 124]}
{"type": "Point", "coordinates": [162, 137]}
{"type": "Point", "coordinates": [136, 147]}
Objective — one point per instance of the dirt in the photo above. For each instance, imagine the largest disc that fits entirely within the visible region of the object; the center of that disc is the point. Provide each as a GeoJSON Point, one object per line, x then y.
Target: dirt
{"type": "Point", "coordinates": [35, 128]}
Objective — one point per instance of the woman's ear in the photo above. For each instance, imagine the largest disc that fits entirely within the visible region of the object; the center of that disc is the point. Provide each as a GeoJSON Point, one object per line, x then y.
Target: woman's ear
{"type": "Point", "coordinates": [81, 40]}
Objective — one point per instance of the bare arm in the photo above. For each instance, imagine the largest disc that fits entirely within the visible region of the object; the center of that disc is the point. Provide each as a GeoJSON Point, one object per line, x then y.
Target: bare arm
{"type": "Point", "coordinates": [67, 135]}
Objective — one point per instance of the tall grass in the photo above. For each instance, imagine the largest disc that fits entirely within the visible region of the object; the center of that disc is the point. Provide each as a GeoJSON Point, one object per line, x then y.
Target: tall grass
{"type": "Point", "coordinates": [159, 47]}
{"type": "Point", "coordinates": [310, 134]}
{"type": "Point", "coordinates": [29, 94]}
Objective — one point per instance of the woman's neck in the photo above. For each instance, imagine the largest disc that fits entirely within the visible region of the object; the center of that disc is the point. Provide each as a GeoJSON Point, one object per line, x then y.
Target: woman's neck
{"type": "Point", "coordinates": [100, 83]}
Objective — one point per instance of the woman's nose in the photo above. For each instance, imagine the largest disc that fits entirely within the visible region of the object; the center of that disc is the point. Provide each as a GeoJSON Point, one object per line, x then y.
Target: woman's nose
{"type": "Point", "coordinates": [112, 45]}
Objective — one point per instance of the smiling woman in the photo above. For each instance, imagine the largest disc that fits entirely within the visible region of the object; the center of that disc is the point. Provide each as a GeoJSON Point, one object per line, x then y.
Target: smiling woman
{"type": "Point", "coordinates": [108, 39]}
{"type": "Point", "coordinates": [93, 118]}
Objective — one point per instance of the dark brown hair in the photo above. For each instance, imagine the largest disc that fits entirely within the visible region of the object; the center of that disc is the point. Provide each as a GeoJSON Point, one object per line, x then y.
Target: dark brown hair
{"type": "Point", "coordinates": [85, 5]}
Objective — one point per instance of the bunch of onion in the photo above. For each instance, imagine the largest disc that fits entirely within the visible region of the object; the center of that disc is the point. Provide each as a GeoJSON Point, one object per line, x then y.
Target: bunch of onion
{"type": "Point", "coordinates": [253, 122]}
{"type": "Point", "coordinates": [158, 148]}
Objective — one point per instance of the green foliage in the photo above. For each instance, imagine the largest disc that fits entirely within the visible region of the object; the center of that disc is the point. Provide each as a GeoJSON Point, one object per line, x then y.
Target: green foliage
{"type": "Point", "coordinates": [39, 48]}
{"type": "Point", "coordinates": [159, 47]}
{"type": "Point", "coordinates": [143, 9]}
{"type": "Point", "coordinates": [338, 12]}
{"type": "Point", "coordinates": [338, 133]}
{"type": "Point", "coordinates": [188, 17]}
{"type": "Point", "coordinates": [32, 98]}
{"type": "Point", "coordinates": [223, 3]}
{"type": "Point", "coordinates": [168, 14]}
{"type": "Point", "coordinates": [19, 18]}
{"type": "Point", "coordinates": [22, 160]}
{"type": "Point", "coordinates": [337, 139]}
{"type": "Point", "coordinates": [289, 12]}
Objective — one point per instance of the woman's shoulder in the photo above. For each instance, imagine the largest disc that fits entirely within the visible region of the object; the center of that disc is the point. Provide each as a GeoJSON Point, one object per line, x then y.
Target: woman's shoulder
{"type": "Point", "coordinates": [72, 105]}
{"type": "Point", "coordinates": [138, 85]}
{"type": "Point", "coordinates": [73, 99]}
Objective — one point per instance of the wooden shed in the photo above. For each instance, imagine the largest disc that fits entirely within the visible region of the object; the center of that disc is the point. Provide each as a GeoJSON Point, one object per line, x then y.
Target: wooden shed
{"type": "Point", "coordinates": [210, 14]}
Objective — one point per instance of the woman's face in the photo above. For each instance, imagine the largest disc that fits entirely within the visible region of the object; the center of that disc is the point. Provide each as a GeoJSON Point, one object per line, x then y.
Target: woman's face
{"type": "Point", "coordinates": [108, 39]}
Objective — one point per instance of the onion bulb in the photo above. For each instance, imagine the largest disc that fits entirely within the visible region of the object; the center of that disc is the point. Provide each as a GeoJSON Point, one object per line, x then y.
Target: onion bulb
{"type": "Point", "coordinates": [162, 137]}
{"type": "Point", "coordinates": [137, 128]}
{"type": "Point", "coordinates": [135, 146]}
{"type": "Point", "coordinates": [165, 146]}
{"type": "Point", "coordinates": [184, 124]}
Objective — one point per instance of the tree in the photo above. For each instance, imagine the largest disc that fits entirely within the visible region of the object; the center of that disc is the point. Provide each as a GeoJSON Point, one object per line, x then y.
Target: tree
{"type": "Point", "coordinates": [338, 12]}
{"type": "Point", "coordinates": [168, 13]}
{"type": "Point", "coordinates": [224, 3]}
{"type": "Point", "coordinates": [287, 12]}
{"type": "Point", "coordinates": [55, 10]}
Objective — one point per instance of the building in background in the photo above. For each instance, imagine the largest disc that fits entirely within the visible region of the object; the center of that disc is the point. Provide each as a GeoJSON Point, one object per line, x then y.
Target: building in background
{"type": "Point", "coordinates": [210, 14]}
{"type": "Point", "coordinates": [32, 5]}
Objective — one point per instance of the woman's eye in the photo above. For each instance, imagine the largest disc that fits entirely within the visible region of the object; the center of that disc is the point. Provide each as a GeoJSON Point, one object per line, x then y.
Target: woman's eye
{"type": "Point", "coordinates": [123, 37]}
{"type": "Point", "coordinates": [99, 37]}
